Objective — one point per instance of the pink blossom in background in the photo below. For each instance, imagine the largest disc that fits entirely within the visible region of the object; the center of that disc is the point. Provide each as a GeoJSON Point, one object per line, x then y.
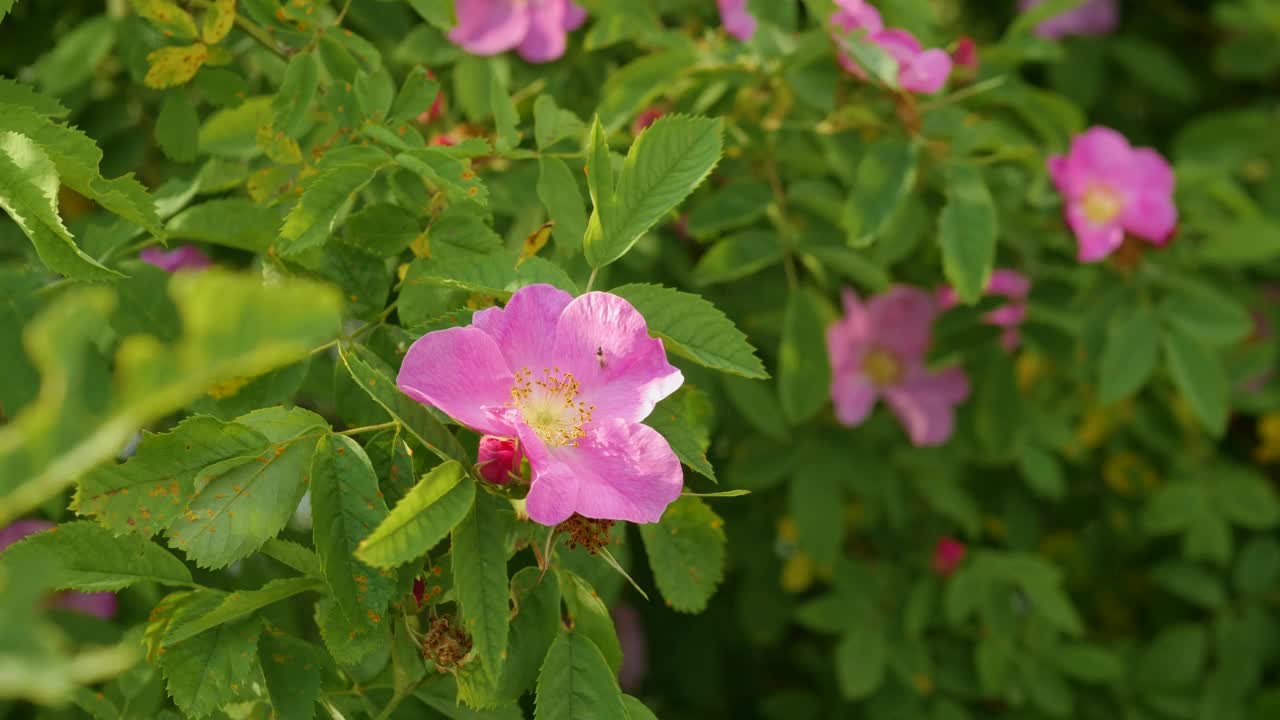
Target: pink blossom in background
{"type": "Point", "coordinates": [878, 349]}
{"type": "Point", "coordinates": [1093, 17]}
{"type": "Point", "coordinates": [570, 379]}
{"type": "Point", "coordinates": [966, 54]}
{"type": "Point", "coordinates": [947, 556]}
{"type": "Point", "coordinates": [498, 459]}
{"type": "Point", "coordinates": [919, 70]}
{"type": "Point", "coordinates": [735, 18]}
{"type": "Point", "coordinates": [536, 29]}
{"type": "Point", "coordinates": [635, 647]}
{"type": "Point", "coordinates": [183, 257]}
{"type": "Point", "coordinates": [647, 117]}
{"type": "Point", "coordinates": [436, 111]}
{"type": "Point", "coordinates": [99, 604]}
{"type": "Point", "coordinates": [1007, 283]}
{"type": "Point", "coordinates": [1110, 189]}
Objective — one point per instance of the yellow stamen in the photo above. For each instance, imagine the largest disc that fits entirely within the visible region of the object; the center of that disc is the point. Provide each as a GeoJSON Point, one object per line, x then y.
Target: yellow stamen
{"type": "Point", "coordinates": [882, 368]}
{"type": "Point", "coordinates": [1101, 204]}
{"type": "Point", "coordinates": [549, 405]}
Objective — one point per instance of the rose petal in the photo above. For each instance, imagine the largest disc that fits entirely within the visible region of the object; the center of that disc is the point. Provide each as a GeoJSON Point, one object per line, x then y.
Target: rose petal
{"type": "Point", "coordinates": [902, 320]}
{"type": "Point", "coordinates": [604, 342]}
{"type": "Point", "coordinates": [20, 529]}
{"type": "Point", "coordinates": [735, 18]}
{"type": "Point", "coordinates": [489, 27]}
{"type": "Point", "coordinates": [574, 16]}
{"type": "Point", "coordinates": [525, 330]}
{"type": "Point", "coordinates": [925, 404]}
{"type": "Point", "coordinates": [460, 371]}
{"type": "Point", "coordinates": [853, 397]}
{"type": "Point", "coordinates": [1150, 216]}
{"type": "Point", "coordinates": [1096, 241]}
{"type": "Point", "coordinates": [546, 38]}
{"type": "Point", "coordinates": [926, 72]}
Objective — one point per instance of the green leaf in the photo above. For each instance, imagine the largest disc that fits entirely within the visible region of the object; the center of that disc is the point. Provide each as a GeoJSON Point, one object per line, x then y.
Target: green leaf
{"type": "Point", "coordinates": [804, 375]}
{"type": "Point", "coordinates": [372, 374]}
{"type": "Point", "coordinates": [85, 556]}
{"type": "Point", "coordinates": [175, 65]}
{"type": "Point", "coordinates": [632, 87]}
{"type": "Point", "coordinates": [293, 555]}
{"type": "Point", "coordinates": [1042, 472]}
{"type": "Point", "coordinates": [431, 510]}
{"type": "Point", "coordinates": [590, 617]}
{"type": "Point", "coordinates": [350, 644]}
{"type": "Point", "coordinates": [345, 505]}
{"type": "Point", "coordinates": [504, 115]}
{"type": "Point", "coordinates": [1191, 583]}
{"type": "Point", "coordinates": [537, 621]}
{"type": "Point", "coordinates": [212, 670]}
{"type": "Point", "coordinates": [1244, 497]}
{"type": "Point", "coordinates": [323, 196]}
{"type": "Point", "coordinates": [559, 193]}
{"type": "Point", "coordinates": [231, 222]}
{"type": "Point", "coordinates": [886, 174]}
{"type": "Point", "coordinates": [242, 502]}
{"type": "Point", "coordinates": [694, 328]}
{"type": "Point", "coordinates": [218, 21]}
{"type": "Point", "coordinates": [234, 606]}
{"type": "Point", "coordinates": [1088, 663]}
{"type": "Point", "coordinates": [498, 273]}
{"type": "Point", "coordinates": [1201, 378]}
{"type": "Point", "coordinates": [480, 578]}
{"type": "Point", "coordinates": [738, 204]}
{"type": "Point", "coordinates": [873, 58]}
{"type": "Point", "coordinates": [1242, 242]}
{"type": "Point", "coordinates": [576, 682]}
{"type": "Point", "coordinates": [1174, 659]}
{"type": "Point", "coordinates": [814, 502]}
{"type": "Point", "coordinates": [383, 229]}
{"type": "Point", "coordinates": [636, 710]}
{"type": "Point", "coordinates": [16, 93]}
{"type": "Point", "coordinates": [686, 552]}
{"type": "Point", "coordinates": [967, 232]}
{"type": "Point", "coordinates": [1129, 355]}
{"type": "Point", "coordinates": [551, 124]}
{"type": "Point", "coordinates": [167, 17]}
{"type": "Point", "coordinates": [292, 103]}
{"type": "Point", "coordinates": [738, 256]}
{"type": "Point", "coordinates": [669, 159]}
{"type": "Point", "coordinates": [416, 96]}
{"type": "Point", "coordinates": [861, 660]}
{"type": "Point", "coordinates": [758, 403]}
{"type": "Point", "coordinates": [1204, 314]}
{"type": "Point", "coordinates": [58, 438]}
{"type": "Point", "coordinates": [293, 671]}
{"type": "Point", "coordinates": [28, 193]}
{"type": "Point", "coordinates": [146, 493]}
{"type": "Point", "coordinates": [449, 174]}
{"type": "Point", "coordinates": [683, 420]}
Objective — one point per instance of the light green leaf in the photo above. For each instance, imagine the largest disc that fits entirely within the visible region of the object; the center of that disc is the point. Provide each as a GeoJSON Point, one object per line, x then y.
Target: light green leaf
{"type": "Point", "coordinates": [634, 86]}
{"type": "Point", "coordinates": [234, 606]}
{"type": "Point", "coordinates": [804, 374]}
{"type": "Point", "coordinates": [416, 96]}
{"type": "Point", "coordinates": [738, 256]}
{"type": "Point", "coordinates": [168, 17]}
{"type": "Point", "coordinates": [590, 617]}
{"type": "Point", "coordinates": [292, 554]}
{"type": "Point", "coordinates": [242, 502]}
{"type": "Point", "coordinates": [480, 578]}
{"type": "Point", "coordinates": [636, 710]}
{"type": "Point", "coordinates": [293, 671]}
{"type": "Point", "coordinates": [576, 682]}
{"type": "Point", "coordinates": [683, 419]}
{"type": "Point", "coordinates": [559, 193]}
{"type": "Point", "coordinates": [694, 328]}
{"type": "Point", "coordinates": [1201, 378]}
{"type": "Point", "coordinates": [178, 127]}
{"type": "Point", "coordinates": [551, 124]}
{"type": "Point", "coordinates": [498, 273]}
{"type": "Point", "coordinates": [85, 556]}
{"type": "Point", "coordinates": [371, 374]}
{"type": "Point", "coordinates": [686, 552]}
{"type": "Point", "coordinates": [669, 159]}
{"type": "Point", "coordinates": [448, 173]}
{"type": "Point", "coordinates": [214, 669]}
{"type": "Point", "coordinates": [345, 505]}
{"type": "Point", "coordinates": [292, 103]}
{"type": "Point", "coordinates": [1207, 315]}
{"type": "Point", "coordinates": [231, 222]}
{"type": "Point", "coordinates": [1129, 355]}
{"type": "Point", "coordinates": [886, 174]}
{"type": "Point", "coordinates": [504, 115]}
{"type": "Point", "coordinates": [967, 232]}
{"type": "Point", "coordinates": [431, 510]}
{"type": "Point", "coordinates": [536, 599]}
{"type": "Point", "coordinates": [323, 196]}
{"type": "Point", "coordinates": [16, 93]}
{"type": "Point", "coordinates": [737, 204]}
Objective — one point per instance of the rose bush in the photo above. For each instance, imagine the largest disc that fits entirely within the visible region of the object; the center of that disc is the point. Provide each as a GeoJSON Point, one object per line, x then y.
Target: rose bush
{"type": "Point", "coordinates": [625, 359]}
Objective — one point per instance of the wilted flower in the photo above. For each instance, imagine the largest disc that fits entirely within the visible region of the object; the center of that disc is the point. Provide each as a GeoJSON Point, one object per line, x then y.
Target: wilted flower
{"type": "Point", "coordinates": [570, 379]}
{"type": "Point", "coordinates": [183, 257]}
{"type": "Point", "coordinates": [947, 556]}
{"type": "Point", "coordinates": [1008, 283]}
{"type": "Point", "coordinates": [919, 70]}
{"type": "Point", "coordinates": [878, 350]}
{"type": "Point", "coordinates": [534, 28]}
{"type": "Point", "coordinates": [1092, 17]}
{"type": "Point", "coordinates": [1110, 188]}
{"type": "Point", "coordinates": [99, 604]}
{"type": "Point", "coordinates": [735, 18]}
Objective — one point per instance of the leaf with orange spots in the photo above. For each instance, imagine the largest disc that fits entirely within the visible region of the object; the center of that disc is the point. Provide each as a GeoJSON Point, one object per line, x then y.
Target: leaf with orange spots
{"type": "Point", "coordinates": [213, 669]}
{"type": "Point", "coordinates": [234, 606]}
{"type": "Point", "coordinates": [175, 65]}
{"type": "Point", "coordinates": [168, 17]}
{"type": "Point", "coordinates": [480, 578]}
{"type": "Point", "coordinates": [293, 670]}
{"type": "Point", "coordinates": [85, 556]}
{"type": "Point", "coordinates": [218, 20]}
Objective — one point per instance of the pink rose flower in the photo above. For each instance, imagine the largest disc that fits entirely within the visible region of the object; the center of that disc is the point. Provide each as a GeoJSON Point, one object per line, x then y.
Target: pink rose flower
{"type": "Point", "coordinates": [1093, 17]}
{"type": "Point", "coordinates": [183, 257]}
{"type": "Point", "coordinates": [498, 459]}
{"type": "Point", "coordinates": [947, 556]}
{"type": "Point", "coordinates": [536, 29]}
{"type": "Point", "coordinates": [1110, 188]}
{"type": "Point", "coordinates": [98, 604]}
{"type": "Point", "coordinates": [919, 70]}
{"type": "Point", "coordinates": [735, 18]}
{"type": "Point", "coordinates": [1008, 283]}
{"type": "Point", "coordinates": [878, 350]}
{"type": "Point", "coordinates": [570, 379]}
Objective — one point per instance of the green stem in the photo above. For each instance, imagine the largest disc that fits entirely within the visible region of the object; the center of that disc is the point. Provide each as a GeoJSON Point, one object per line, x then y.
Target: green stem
{"type": "Point", "coordinates": [592, 280]}
{"type": "Point", "coordinates": [370, 428]}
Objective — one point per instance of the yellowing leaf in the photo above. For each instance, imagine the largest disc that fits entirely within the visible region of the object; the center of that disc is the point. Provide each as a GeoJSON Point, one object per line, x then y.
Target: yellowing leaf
{"type": "Point", "coordinates": [172, 20]}
{"type": "Point", "coordinates": [279, 147]}
{"type": "Point", "coordinates": [535, 241]}
{"type": "Point", "coordinates": [175, 65]}
{"type": "Point", "coordinates": [218, 21]}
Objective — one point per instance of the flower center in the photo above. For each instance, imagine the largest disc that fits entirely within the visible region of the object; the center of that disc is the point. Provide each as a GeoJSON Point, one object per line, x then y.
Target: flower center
{"type": "Point", "coordinates": [549, 405]}
{"type": "Point", "coordinates": [1101, 204]}
{"type": "Point", "coordinates": [882, 368]}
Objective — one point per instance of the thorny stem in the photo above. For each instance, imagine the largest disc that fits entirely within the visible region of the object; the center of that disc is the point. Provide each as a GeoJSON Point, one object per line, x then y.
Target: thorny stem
{"type": "Point", "coordinates": [370, 428]}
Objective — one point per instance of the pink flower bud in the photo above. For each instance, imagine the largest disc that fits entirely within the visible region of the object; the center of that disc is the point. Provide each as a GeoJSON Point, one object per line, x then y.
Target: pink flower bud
{"type": "Point", "coordinates": [947, 556]}
{"type": "Point", "coordinates": [436, 111]}
{"type": "Point", "coordinates": [645, 119]}
{"type": "Point", "coordinates": [966, 53]}
{"type": "Point", "coordinates": [498, 459]}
